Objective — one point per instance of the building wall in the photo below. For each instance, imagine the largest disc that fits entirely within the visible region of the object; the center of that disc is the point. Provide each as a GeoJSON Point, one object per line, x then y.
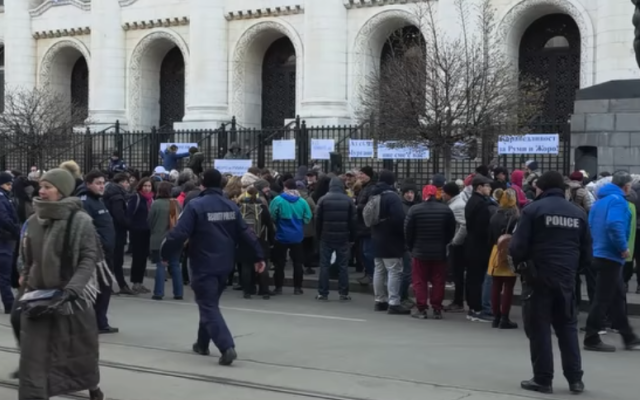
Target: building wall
{"type": "Point", "coordinates": [223, 58]}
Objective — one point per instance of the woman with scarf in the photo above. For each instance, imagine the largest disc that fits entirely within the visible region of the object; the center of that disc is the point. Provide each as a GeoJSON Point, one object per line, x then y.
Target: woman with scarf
{"type": "Point", "coordinates": [61, 252]}
{"type": "Point", "coordinates": [140, 233]}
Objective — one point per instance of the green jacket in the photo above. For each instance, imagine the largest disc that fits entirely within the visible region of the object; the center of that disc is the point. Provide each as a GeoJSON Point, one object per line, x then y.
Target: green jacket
{"type": "Point", "coordinates": [159, 222]}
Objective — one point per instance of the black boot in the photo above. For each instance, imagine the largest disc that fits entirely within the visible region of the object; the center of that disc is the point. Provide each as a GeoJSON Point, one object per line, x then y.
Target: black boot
{"type": "Point", "coordinates": [505, 323]}
{"type": "Point", "coordinates": [533, 386]}
{"type": "Point", "coordinates": [576, 387]}
{"type": "Point", "coordinates": [228, 357]}
{"type": "Point", "coordinates": [496, 321]}
{"type": "Point", "coordinates": [96, 394]}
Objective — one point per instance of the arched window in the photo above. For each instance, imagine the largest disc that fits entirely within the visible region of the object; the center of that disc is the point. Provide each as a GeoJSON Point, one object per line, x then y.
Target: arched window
{"type": "Point", "coordinates": [172, 84]}
{"type": "Point", "coordinates": [80, 87]}
{"type": "Point", "coordinates": [278, 84]}
{"type": "Point", "coordinates": [550, 53]}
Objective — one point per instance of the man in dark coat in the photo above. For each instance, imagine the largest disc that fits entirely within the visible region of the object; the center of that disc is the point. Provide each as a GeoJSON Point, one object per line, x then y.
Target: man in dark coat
{"type": "Point", "coordinates": [9, 234]}
{"type": "Point", "coordinates": [388, 247]}
{"type": "Point", "coordinates": [428, 229]}
{"type": "Point", "coordinates": [477, 214]}
{"type": "Point", "coordinates": [116, 196]}
{"type": "Point", "coordinates": [214, 227]}
{"type": "Point", "coordinates": [367, 178]}
{"type": "Point", "coordinates": [90, 193]}
{"type": "Point", "coordinates": [196, 159]}
{"type": "Point", "coordinates": [336, 217]}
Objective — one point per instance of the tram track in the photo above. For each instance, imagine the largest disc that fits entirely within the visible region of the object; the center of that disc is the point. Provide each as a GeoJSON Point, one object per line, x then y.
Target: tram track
{"type": "Point", "coordinates": [242, 384]}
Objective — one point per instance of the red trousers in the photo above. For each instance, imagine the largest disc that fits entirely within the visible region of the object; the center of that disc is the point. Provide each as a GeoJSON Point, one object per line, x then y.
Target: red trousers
{"type": "Point", "coordinates": [502, 294]}
{"type": "Point", "coordinates": [424, 272]}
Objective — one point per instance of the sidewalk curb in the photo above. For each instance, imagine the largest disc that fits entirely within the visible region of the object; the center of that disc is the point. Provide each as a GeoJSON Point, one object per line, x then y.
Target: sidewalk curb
{"type": "Point", "coordinates": [311, 282]}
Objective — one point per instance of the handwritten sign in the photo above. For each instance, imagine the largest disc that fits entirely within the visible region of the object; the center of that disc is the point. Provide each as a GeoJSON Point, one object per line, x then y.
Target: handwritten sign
{"type": "Point", "coordinates": [182, 147]}
{"type": "Point", "coordinates": [546, 143]}
{"type": "Point", "coordinates": [233, 167]}
{"type": "Point", "coordinates": [320, 148]}
{"type": "Point", "coordinates": [361, 148]}
{"type": "Point", "coordinates": [284, 149]}
{"type": "Point", "coordinates": [387, 151]}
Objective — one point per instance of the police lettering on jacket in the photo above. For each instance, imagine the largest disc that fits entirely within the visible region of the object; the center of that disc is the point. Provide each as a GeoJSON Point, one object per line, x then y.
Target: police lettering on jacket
{"type": "Point", "coordinates": [561, 221]}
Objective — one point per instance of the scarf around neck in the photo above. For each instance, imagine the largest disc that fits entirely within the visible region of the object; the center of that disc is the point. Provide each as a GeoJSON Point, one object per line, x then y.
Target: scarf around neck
{"type": "Point", "coordinates": [148, 197]}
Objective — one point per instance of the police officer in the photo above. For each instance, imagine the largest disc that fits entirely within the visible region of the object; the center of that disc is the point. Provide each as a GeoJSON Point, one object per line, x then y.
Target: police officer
{"type": "Point", "coordinates": [214, 226]}
{"type": "Point", "coordinates": [550, 243]}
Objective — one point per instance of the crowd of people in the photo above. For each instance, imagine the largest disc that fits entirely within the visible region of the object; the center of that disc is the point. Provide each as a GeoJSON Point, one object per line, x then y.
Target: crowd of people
{"type": "Point", "coordinates": [480, 233]}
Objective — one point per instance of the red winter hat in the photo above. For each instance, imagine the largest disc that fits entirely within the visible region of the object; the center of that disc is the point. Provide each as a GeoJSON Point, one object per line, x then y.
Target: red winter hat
{"type": "Point", "coordinates": [468, 179]}
{"type": "Point", "coordinates": [576, 176]}
{"type": "Point", "coordinates": [429, 191]}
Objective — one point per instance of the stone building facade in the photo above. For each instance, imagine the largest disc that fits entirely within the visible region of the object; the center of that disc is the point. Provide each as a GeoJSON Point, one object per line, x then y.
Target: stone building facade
{"type": "Point", "coordinates": [197, 63]}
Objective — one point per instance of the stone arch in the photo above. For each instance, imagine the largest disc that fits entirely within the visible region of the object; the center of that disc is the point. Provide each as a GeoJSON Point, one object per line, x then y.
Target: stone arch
{"type": "Point", "coordinates": [58, 60]}
{"type": "Point", "coordinates": [521, 13]}
{"type": "Point", "coordinates": [247, 62]}
{"type": "Point", "coordinates": [146, 60]}
{"type": "Point", "coordinates": [368, 45]}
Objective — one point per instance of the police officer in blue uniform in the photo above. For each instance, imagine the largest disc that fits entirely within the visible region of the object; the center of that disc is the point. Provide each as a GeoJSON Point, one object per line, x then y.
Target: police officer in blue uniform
{"type": "Point", "coordinates": [214, 226]}
{"type": "Point", "coordinates": [550, 243]}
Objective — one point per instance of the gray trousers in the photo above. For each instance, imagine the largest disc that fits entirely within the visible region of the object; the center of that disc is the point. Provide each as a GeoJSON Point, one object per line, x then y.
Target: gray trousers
{"type": "Point", "coordinates": [387, 280]}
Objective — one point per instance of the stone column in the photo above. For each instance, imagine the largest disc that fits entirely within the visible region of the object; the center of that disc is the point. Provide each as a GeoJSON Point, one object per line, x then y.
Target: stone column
{"type": "Point", "coordinates": [20, 46]}
{"type": "Point", "coordinates": [107, 70]}
{"type": "Point", "coordinates": [324, 94]}
{"type": "Point", "coordinates": [615, 59]}
{"type": "Point", "coordinates": [207, 102]}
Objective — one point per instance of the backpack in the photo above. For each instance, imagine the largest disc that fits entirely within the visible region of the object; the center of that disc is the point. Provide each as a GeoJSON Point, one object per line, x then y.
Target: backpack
{"type": "Point", "coordinates": [252, 215]}
{"type": "Point", "coordinates": [371, 211]}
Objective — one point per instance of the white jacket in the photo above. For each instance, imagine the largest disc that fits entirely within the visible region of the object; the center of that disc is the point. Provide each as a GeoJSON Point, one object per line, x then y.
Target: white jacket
{"type": "Point", "coordinates": [457, 205]}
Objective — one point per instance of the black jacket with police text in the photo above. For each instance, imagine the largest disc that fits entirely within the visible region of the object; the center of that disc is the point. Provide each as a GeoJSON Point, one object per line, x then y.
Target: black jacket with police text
{"type": "Point", "coordinates": [95, 207]}
{"type": "Point", "coordinates": [336, 215]}
{"type": "Point", "coordinates": [428, 229]}
{"type": "Point", "coordinates": [554, 234]}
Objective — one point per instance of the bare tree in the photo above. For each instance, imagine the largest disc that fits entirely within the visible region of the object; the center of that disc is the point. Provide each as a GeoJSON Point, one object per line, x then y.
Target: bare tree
{"type": "Point", "coordinates": [37, 124]}
{"type": "Point", "coordinates": [440, 89]}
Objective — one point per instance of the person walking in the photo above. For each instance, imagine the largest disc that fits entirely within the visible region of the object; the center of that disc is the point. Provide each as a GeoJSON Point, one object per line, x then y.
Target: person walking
{"type": "Point", "coordinates": [163, 216]}
{"type": "Point", "coordinates": [140, 233]}
{"type": "Point", "coordinates": [336, 219]}
{"type": "Point", "coordinates": [90, 193]}
{"type": "Point", "coordinates": [61, 252]}
{"type": "Point", "coordinates": [610, 223]}
{"type": "Point", "coordinates": [290, 213]}
{"type": "Point", "coordinates": [9, 234]}
{"type": "Point", "coordinates": [428, 229]}
{"type": "Point", "coordinates": [115, 199]}
{"type": "Point", "coordinates": [214, 227]}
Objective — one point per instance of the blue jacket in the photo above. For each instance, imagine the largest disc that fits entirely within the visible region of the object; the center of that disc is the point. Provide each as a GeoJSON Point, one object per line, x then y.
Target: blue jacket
{"type": "Point", "coordinates": [170, 159]}
{"type": "Point", "coordinates": [290, 214]}
{"type": "Point", "coordinates": [554, 234]}
{"type": "Point", "coordinates": [214, 227]}
{"type": "Point", "coordinates": [610, 222]}
{"type": "Point", "coordinates": [9, 224]}
{"type": "Point", "coordinates": [116, 166]}
{"type": "Point", "coordinates": [137, 213]}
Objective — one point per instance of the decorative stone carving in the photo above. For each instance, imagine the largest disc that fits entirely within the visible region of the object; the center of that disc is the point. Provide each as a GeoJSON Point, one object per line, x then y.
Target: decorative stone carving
{"type": "Point", "coordinates": [373, 3]}
{"type": "Point", "coordinates": [135, 70]}
{"type": "Point", "coordinates": [156, 23]}
{"type": "Point", "coordinates": [519, 10]}
{"type": "Point", "coordinates": [264, 12]}
{"type": "Point", "coordinates": [62, 33]}
{"type": "Point", "coordinates": [52, 53]}
{"type": "Point", "coordinates": [84, 5]}
{"type": "Point", "coordinates": [239, 58]}
{"type": "Point", "coordinates": [374, 25]}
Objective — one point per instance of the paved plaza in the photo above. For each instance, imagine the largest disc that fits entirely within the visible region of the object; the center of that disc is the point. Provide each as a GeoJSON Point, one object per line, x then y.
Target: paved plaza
{"type": "Point", "coordinates": [294, 348]}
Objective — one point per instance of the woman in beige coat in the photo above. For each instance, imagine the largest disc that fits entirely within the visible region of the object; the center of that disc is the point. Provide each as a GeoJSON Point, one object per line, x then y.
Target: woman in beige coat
{"type": "Point", "coordinates": [59, 351]}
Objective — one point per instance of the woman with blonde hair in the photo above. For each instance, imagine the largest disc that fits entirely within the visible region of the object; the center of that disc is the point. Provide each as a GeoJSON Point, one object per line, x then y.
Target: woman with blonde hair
{"type": "Point", "coordinates": [233, 188]}
{"type": "Point", "coordinates": [501, 227]}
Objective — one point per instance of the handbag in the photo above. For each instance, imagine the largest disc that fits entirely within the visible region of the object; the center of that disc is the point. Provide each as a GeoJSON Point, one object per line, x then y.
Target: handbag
{"type": "Point", "coordinates": [34, 303]}
{"type": "Point", "coordinates": [503, 247]}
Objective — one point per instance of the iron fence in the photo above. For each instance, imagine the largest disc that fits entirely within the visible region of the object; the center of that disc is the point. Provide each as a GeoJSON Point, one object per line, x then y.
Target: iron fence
{"type": "Point", "coordinates": [140, 150]}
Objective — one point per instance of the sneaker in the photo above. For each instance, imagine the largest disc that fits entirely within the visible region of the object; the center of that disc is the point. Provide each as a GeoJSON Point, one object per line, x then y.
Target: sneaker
{"type": "Point", "coordinates": [381, 306]}
{"type": "Point", "coordinates": [228, 357]}
{"type": "Point", "coordinates": [437, 314]}
{"type": "Point", "coordinates": [419, 314]}
{"type": "Point", "coordinates": [322, 298]}
{"type": "Point", "coordinates": [126, 290]}
{"type": "Point", "coordinates": [200, 350]}
{"type": "Point", "coordinates": [178, 298]}
{"type": "Point", "coordinates": [533, 386]}
{"type": "Point", "coordinates": [277, 292]}
{"type": "Point", "coordinates": [246, 296]}
{"type": "Point", "coordinates": [266, 297]}
{"type": "Point", "coordinates": [600, 347]}
{"type": "Point", "coordinates": [298, 291]}
{"type": "Point", "coordinates": [398, 310]}
{"type": "Point", "coordinates": [576, 387]}
{"type": "Point", "coordinates": [143, 289]}
{"type": "Point", "coordinates": [345, 297]}
{"type": "Point", "coordinates": [454, 308]}
{"type": "Point", "coordinates": [478, 317]}
{"type": "Point", "coordinates": [309, 271]}
{"type": "Point", "coordinates": [365, 280]}
{"type": "Point", "coordinates": [408, 303]}
{"type": "Point", "coordinates": [633, 344]}
{"type": "Point", "coordinates": [108, 330]}
{"type": "Point", "coordinates": [154, 297]}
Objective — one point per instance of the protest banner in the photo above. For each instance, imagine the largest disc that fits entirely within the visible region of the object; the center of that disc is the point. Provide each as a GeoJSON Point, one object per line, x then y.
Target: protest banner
{"type": "Point", "coordinates": [545, 143]}
{"type": "Point", "coordinates": [387, 151]}
{"type": "Point", "coordinates": [284, 149]}
{"type": "Point", "coordinates": [361, 148]}
{"type": "Point", "coordinates": [233, 167]}
{"type": "Point", "coordinates": [320, 148]}
{"type": "Point", "coordinates": [182, 147]}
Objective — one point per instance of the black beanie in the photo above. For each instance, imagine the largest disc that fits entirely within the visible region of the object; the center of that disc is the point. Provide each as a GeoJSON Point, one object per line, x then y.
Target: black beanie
{"type": "Point", "coordinates": [290, 184]}
{"type": "Point", "coordinates": [451, 189]}
{"type": "Point", "coordinates": [483, 170]}
{"type": "Point", "coordinates": [212, 178]}
{"type": "Point", "coordinates": [368, 171]}
{"type": "Point", "coordinates": [387, 177]}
